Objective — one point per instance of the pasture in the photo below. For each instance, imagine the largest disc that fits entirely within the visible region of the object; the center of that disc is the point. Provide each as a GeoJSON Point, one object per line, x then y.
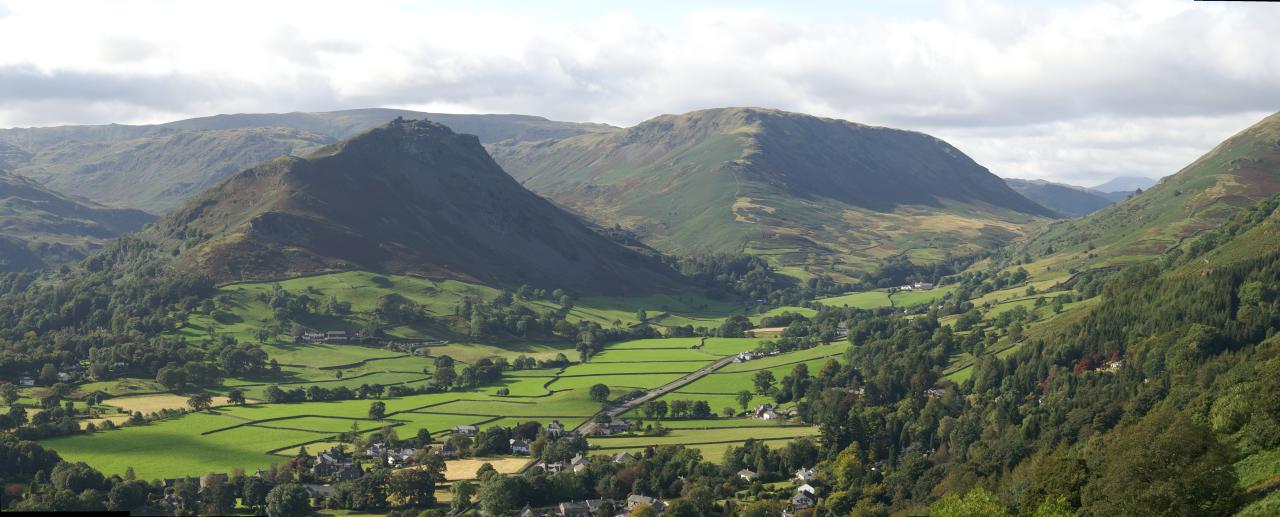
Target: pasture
{"type": "Point", "coordinates": [256, 435]}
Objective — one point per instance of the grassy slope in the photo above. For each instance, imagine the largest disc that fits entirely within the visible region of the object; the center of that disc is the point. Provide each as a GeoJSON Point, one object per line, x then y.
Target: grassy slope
{"type": "Point", "coordinates": [1234, 175]}
{"type": "Point", "coordinates": [775, 184]}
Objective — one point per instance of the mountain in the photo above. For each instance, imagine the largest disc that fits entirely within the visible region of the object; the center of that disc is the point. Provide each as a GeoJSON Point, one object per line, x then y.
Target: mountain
{"type": "Point", "coordinates": [39, 227]}
{"type": "Point", "coordinates": [408, 197]}
{"type": "Point", "coordinates": [1068, 200]}
{"type": "Point", "coordinates": [157, 167]}
{"type": "Point", "coordinates": [801, 190]}
{"type": "Point", "coordinates": [1125, 184]}
{"type": "Point", "coordinates": [1239, 172]}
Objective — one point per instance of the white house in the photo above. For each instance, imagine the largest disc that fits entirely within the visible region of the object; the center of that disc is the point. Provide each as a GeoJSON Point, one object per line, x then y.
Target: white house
{"type": "Point", "coordinates": [747, 475]}
{"type": "Point", "coordinates": [806, 475]}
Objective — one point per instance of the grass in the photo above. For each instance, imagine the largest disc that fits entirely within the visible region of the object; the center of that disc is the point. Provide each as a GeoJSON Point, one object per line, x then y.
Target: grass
{"type": "Point", "coordinates": [466, 468]}
{"type": "Point", "coordinates": [255, 435]}
{"type": "Point", "coordinates": [153, 403]}
{"type": "Point", "coordinates": [860, 300]}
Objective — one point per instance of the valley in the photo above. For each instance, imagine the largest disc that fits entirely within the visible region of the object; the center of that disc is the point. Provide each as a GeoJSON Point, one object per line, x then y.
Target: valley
{"type": "Point", "coordinates": [396, 306]}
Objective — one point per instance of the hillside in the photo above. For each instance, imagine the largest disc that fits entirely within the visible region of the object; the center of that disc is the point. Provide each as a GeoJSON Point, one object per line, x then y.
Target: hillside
{"type": "Point", "coordinates": [409, 197]}
{"type": "Point", "coordinates": [1237, 173]}
{"type": "Point", "coordinates": [157, 167]}
{"type": "Point", "coordinates": [1068, 200]}
{"type": "Point", "coordinates": [39, 226]}
{"type": "Point", "coordinates": [807, 192]}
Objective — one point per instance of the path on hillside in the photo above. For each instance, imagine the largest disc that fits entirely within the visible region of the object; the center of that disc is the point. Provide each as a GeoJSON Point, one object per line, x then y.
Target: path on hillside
{"type": "Point", "coordinates": [618, 409]}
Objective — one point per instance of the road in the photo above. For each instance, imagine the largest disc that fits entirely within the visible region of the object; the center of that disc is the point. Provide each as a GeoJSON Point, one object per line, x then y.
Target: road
{"type": "Point", "coordinates": [618, 409]}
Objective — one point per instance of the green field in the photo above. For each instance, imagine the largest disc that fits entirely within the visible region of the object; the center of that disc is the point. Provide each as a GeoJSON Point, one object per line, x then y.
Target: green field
{"type": "Point", "coordinates": [256, 435]}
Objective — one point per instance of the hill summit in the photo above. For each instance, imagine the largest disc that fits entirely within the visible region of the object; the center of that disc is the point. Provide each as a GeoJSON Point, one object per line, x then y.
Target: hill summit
{"type": "Point", "coordinates": [408, 197]}
{"type": "Point", "coordinates": [804, 190]}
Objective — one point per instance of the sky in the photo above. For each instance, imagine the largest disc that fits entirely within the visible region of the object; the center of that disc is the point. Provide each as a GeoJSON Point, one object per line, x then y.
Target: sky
{"type": "Point", "coordinates": [1071, 91]}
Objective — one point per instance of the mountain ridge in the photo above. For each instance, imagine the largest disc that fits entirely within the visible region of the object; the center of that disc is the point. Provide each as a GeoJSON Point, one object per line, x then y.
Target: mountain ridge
{"type": "Point", "coordinates": [407, 197]}
{"type": "Point", "coordinates": [804, 190]}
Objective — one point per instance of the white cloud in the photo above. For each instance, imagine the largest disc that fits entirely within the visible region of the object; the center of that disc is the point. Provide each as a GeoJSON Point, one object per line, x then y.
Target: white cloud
{"type": "Point", "coordinates": [1070, 93]}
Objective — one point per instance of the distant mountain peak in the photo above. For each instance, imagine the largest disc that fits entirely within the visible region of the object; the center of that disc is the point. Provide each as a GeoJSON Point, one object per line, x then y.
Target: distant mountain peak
{"type": "Point", "coordinates": [1125, 184]}
{"type": "Point", "coordinates": [410, 196]}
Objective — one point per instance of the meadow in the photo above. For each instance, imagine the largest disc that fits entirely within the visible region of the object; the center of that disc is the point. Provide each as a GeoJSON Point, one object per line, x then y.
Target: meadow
{"type": "Point", "coordinates": [256, 435]}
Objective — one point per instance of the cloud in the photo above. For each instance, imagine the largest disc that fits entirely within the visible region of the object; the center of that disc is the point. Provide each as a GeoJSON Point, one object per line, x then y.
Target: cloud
{"type": "Point", "coordinates": [1070, 93]}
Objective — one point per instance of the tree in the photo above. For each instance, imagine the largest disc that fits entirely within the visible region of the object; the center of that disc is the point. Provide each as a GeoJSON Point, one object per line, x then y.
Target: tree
{"type": "Point", "coordinates": [1166, 464]}
{"type": "Point", "coordinates": [462, 492]}
{"type": "Point", "coordinates": [48, 374]}
{"type": "Point", "coordinates": [254, 492]}
{"type": "Point", "coordinates": [216, 498]}
{"type": "Point", "coordinates": [644, 510]}
{"type": "Point", "coordinates": [444, 375]}
{"type": "Point", "coordinates": [416, 487]}
{"type": "Point", "coordinates": [378, 410]}
{"type": "Point", "coordinates": [236, 397]}
{"type": "Point", "coordinates": [744, 399]}
{"type": "Point", "coordinates": [288, 500]}
{"type": "Point", "coordinates": [9, 393]}
{"type": "Point", "coordinates": [501, 495]}
{"type": "Point", "coordinates": [976, 503]}
{"type": "Point", "coordinates": [128, 495]}
{"type": "Point", "coordinates": [200, 402]}
{"type": "Point", "coordinates": [600, 393]}
{"type": "Point", "coordinates": [763, 381]}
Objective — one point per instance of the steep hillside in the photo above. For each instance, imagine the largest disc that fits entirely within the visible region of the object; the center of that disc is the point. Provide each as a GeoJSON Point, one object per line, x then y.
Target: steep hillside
{"type": "Point", "coordinates": [1237, 173]}
{"type": "Point", "coordinates": [40, 227]}
{"type": "Point", "coordinates": [409, 197]}
{"type": "Point", "coordinates": [1068, 200]}
{"type": "Point", "coordinates": [157, 167]}
{"type": "Point", "coordinates": [808, 192]}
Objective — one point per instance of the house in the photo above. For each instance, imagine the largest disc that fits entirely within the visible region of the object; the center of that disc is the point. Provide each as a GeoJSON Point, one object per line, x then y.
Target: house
{"type": "Point", "coordinates": [466, 430]}
{"type": "Point", "coordinates": [803, 500]}
{"type": "Point", "coordinates": [66, 377]}
{"type": "Point", "coordinates": [448, 451]}
{"type": "Point", "coordinates": [519, 447]}
{"type": "Point", "coordinates": [555, 429]}
{"type": "Point", "coordinates": [745, 356]}
{"type": "Point", "coordinates": [935, 393]}
{"type": "Point", "coordinates": [806, 488]}
{"type": "Point", "coordinates": [375, 450]}
{"type": "Point", "coordinates": [747, 475]}
{"type": "Point", "coordinates": [637, 500]}
{"type": "Point", "coordinates": [619, 425]}
{"type": "Point", "coordinates": [806, 475]}
{"type": "Point", "coordinates": [767, 412]}
{"type": "Point", "coordinates": [318, 491]}
{"type": "Point", "coordinates": [574, 509]}
{"type": "Point", "coordinates": [213, 479]}
{"type": "Point", "coordinates": [553, 467]}
{"type": "Point", "coordinates": [922, 286]}
{"type": "Point", "coordinates": [311, 337]}
{"type": "Point", "coordinates": [578, 463]}
{"type": "Point", "coordinates": [26, 380]}
{"type": "Point", "coordinates": [348, 472]}
{"type": "Point", "coordinates": [623, 458]}
{"type": "Point", "coordinates": [400, 458]}
{"type": "Point", "coordinates": [335, 336]}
